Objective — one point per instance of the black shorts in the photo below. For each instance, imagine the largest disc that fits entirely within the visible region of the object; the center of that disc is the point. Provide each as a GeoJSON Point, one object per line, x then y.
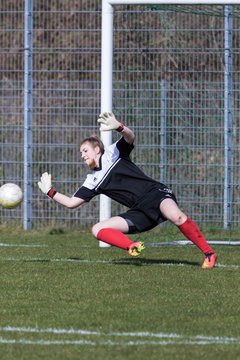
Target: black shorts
{"type": "Point", "coordinates": [146, 214]}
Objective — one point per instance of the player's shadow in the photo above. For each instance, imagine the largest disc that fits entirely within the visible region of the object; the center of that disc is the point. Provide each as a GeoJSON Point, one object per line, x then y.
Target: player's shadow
{"type": "Point", "coordinates": [149, 262]}
{"type": "Point", "coordinates": [130, 261]}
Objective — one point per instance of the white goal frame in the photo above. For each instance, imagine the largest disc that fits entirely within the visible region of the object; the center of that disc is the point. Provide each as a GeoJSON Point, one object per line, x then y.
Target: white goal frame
{"type": "Point", "coordinates": [107, 67]}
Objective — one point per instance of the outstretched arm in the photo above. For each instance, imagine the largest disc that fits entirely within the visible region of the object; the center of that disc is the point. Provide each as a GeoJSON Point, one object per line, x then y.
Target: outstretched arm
{"type": "Point", "coordinates": [109, 122]}
{"type": "Point", "coordinates": [45, 185]}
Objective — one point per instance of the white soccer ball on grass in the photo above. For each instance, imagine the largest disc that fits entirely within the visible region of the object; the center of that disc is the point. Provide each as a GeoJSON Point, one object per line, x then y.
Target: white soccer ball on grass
{"type": "Point", "coordinates": [11, 195]}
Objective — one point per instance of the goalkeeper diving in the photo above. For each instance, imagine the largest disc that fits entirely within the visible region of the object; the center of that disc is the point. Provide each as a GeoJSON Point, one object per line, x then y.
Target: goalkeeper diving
{"type": "Point", "coordinates": [149, 202]}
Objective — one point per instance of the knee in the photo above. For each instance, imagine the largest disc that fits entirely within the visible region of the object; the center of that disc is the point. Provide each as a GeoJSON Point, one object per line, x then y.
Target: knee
{"type": "Point", "coordinates": [179, 219]}
{"type": "Point", "coordinates": [95, 229]}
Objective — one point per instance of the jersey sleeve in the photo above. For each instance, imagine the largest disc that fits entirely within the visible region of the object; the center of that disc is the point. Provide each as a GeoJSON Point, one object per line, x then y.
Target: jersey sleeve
{"type": "Point", "coordinates": [124, 148]}
{"type": "Point", "coordinates": [85, 193]}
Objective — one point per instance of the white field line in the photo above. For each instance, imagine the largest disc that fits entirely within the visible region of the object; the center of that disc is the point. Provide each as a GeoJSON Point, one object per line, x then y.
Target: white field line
{"type": "Point", "coordinates": [188, 242]}
{"type": "Point", "coordinates": [22, 245]}
{"type": "Point", "coordinates": [108, 262]}
{"type": "Point", "coordinates": [140, 338]}
{"type": "Point", "coordinates": [112, 343]}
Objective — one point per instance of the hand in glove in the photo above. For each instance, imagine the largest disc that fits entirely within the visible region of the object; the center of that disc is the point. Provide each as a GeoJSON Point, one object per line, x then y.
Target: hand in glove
{"type": "Point", "coordinates": [109, 122]}
{"type": "Point", "coordinates": [46, 183]}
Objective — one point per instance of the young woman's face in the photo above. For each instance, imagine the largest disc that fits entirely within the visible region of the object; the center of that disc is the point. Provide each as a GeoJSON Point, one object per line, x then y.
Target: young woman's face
{"type": "Point", "coordinates": [90, 155]}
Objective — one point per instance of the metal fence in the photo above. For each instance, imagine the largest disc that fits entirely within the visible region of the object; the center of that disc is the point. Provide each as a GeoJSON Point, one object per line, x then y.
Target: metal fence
{"type": "Point", "coordinates": [175, 81]}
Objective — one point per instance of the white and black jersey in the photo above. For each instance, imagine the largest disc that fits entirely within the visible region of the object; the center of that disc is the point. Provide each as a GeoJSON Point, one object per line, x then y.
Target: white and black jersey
{"type": "Point", "coordinates": [121, 180]}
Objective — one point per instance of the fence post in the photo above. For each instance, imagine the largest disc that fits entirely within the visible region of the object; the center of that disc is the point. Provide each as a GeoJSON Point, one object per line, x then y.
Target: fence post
{"type": "Point", "coordinates": [227, 116]}
{"type": "Point", "coordinates": [28, 34]}
{"type": "Point", "coordinates": [163, 158]}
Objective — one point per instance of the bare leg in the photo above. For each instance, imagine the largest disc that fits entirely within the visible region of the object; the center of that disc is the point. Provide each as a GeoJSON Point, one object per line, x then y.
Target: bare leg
{"type": "Point", "coordinates": [115, 222]}
{"type": "Point", "coordinates": [171, 211]}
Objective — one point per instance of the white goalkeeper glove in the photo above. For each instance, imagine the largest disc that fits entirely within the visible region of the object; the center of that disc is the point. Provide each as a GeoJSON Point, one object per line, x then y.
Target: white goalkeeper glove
{"type": "Point", "coordinates": [109, 122]}
{"type": "Point", "coordinates": [45, 185]}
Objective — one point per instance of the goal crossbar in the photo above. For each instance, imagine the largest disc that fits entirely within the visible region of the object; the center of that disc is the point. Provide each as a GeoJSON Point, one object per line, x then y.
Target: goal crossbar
{"type": "Point", "coordinates": [183, 2]}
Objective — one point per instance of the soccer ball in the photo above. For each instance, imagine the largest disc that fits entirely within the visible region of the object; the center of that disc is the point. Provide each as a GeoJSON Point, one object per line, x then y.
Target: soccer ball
{"type": "Point", "coordinates": [11, 195]}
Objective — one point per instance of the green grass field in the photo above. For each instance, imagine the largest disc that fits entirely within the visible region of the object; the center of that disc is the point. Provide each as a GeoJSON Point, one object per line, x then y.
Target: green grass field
{"type": "Point", "coordinates": [63, 297]}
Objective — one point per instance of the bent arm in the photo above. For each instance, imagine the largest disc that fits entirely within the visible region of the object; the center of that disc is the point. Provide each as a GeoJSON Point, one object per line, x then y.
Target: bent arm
{"type": "Point", "coordinates": [45, 185]}
{"type": "Point", "coordinates": [67, 201]}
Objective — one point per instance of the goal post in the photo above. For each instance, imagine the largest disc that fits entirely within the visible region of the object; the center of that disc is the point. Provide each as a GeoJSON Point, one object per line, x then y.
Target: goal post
{"type": "Point", "coordinates": [106, 92]}
{"type": "Point", "coordinates": [107, 33]}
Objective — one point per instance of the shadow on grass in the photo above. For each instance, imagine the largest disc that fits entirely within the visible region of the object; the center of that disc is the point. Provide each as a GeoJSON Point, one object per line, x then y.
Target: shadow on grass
{"type": "Point", "coordinates": [149, 262]}
{"type": "Point", "coordinates": [130, 261]}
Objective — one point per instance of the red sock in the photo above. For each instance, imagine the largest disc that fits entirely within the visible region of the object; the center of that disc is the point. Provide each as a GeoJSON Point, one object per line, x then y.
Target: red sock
{"type": "Point", "coordinates": [192, 232]}
{"type": "Point", "coordinates": [114, 237]}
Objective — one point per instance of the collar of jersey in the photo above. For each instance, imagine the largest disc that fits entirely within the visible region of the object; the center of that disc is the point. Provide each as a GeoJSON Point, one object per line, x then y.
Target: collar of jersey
{"type": "Point", "coordinates": [98, 168]}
